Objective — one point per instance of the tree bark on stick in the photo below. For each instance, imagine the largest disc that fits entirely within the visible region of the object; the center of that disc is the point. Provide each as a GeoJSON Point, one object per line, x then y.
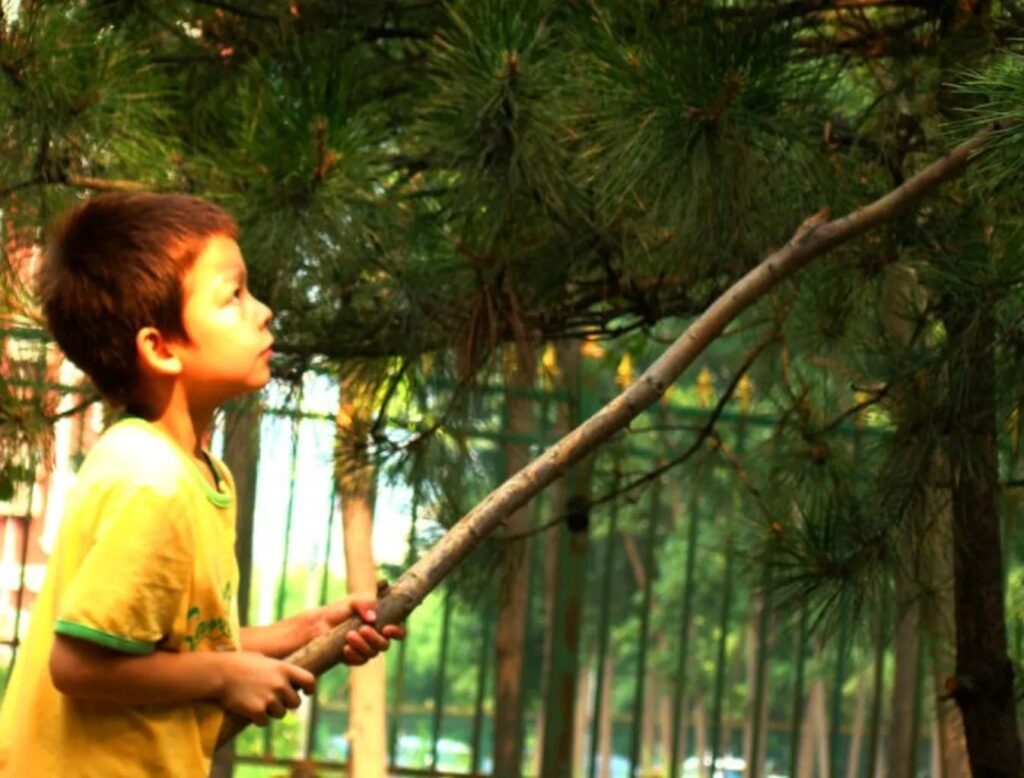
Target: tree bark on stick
{"type": "Point", "coordinates": [812, 239]}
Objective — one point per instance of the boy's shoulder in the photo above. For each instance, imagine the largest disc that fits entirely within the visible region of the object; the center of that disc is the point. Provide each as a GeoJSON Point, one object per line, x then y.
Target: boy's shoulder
{"type": "Point", "coordinates": [132, 450]}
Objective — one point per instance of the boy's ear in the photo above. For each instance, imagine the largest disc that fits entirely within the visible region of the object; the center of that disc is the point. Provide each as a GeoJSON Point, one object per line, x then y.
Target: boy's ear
{"type": "Point", "coordinates": [156, 354]}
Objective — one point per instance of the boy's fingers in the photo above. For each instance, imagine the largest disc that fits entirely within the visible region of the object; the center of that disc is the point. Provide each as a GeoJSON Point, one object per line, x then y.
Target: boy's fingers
{"type": "Point", "coordinates": [352, 657]}
{"type": "Point", "coordinates": [394, 631]}
{"type": "Point", "coordinates": [275, 709]}
{"type": "Point", "coordinates": [373, 638]}
{"type": "Point", "coordinates": [365, 607]}
{"type": "Point", "coordinates": [336, 612]}
{"type": "Point", "coordinates": [289, 698]}
{"type": "Point", "coordinates": [301, 678]}
{"type": "Point", "coordinates": [357, 642]}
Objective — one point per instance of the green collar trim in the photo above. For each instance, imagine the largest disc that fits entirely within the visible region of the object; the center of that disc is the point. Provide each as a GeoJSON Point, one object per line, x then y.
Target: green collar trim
{"type": "Point", "coordinates": [219, 498]}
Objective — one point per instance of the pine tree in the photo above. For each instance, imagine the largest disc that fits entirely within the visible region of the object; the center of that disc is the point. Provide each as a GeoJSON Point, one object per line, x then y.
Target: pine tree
{"type": "Point", "coordinates": [413, 177]}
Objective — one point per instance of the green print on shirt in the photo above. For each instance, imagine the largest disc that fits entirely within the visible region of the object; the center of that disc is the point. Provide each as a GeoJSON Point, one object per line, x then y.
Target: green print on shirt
{"type": "Point", "coordinates": [216, 629]}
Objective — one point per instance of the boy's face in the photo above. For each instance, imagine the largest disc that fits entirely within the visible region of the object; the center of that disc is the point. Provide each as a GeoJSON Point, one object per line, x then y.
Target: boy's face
{"type": "Point", "coordinates": [228, 352]}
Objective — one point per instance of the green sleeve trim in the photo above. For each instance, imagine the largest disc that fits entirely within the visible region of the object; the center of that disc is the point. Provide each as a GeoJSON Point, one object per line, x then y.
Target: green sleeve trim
{"type": "Point", "coordinates": [127, 645]}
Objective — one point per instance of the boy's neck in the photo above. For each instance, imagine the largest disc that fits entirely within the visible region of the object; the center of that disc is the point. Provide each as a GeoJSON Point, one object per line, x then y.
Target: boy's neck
{"type": "Point", "coordinates": [184, 423]}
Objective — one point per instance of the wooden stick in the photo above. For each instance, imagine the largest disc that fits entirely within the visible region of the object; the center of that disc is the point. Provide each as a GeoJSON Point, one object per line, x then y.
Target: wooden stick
{"type": "Point", "coordinates": [812, 239]}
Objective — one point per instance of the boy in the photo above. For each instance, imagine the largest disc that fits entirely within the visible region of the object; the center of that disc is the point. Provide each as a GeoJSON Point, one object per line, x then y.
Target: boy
{"type": "Point", "coordinates": [134, 649]}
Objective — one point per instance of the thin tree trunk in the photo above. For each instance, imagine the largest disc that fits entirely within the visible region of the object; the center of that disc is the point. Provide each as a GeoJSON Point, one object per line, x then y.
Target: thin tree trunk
{"type": "Point", "coordinates": [605, 747]}
{"type": "Point", "coordinates": [857, 736]}
{"type": "Point", "coordinates": [513, 586]}
{"type": "Point", "coordinates": [821, 728]}
{"type": "Point", "coordinates": [700, 733]}
{"type": "Point", "coordinates": [356, 484]}
{"type": "Point", "coordinates": [938, 617]}
{"type": "Point", "coordinates": [983, 686]}
{"type": "Point", "coordinates": [814, 733]}
{"type": "Point", "coordinates": [907, 655]}
{"type": "Point", "coordinates": [581, 724]}
{"type": "Point", "coordinates": [758, 628]}
{"type": "Point", "coordinates": [649, 723]}
{"type": "Point", "coordinates": [665, 725]}
{"type": "Point", "coordinates": [812, 239]}
{"type": "Point", "coordinates": [568, 576]}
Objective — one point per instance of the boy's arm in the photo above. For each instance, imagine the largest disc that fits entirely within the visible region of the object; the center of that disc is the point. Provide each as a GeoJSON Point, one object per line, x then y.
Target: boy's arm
{"type": "Point", "coordinates": [283, 637]}
{"type": "Point", "coordinates": [246, 683]}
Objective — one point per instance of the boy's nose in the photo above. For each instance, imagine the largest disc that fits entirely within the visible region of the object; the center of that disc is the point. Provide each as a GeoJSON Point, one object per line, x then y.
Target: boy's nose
{"type": "Point", "coordinates": [265, 314]}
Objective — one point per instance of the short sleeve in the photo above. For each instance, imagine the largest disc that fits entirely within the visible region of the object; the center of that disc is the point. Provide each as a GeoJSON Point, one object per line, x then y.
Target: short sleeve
{"type": "Point", "coordinates": [135, 573]}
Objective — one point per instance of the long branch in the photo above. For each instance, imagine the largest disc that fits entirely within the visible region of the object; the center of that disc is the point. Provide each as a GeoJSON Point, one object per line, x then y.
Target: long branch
{"type": "Point", "coordinates": [808, 243]}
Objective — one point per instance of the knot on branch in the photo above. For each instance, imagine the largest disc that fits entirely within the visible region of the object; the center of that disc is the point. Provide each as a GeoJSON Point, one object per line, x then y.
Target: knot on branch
{"type": "Point", "coordinates": [577, 513]}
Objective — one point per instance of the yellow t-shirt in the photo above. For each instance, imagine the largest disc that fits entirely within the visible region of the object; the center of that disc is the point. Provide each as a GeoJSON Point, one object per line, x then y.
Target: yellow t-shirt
{"type": "Point", "coordinates": [144, 561]}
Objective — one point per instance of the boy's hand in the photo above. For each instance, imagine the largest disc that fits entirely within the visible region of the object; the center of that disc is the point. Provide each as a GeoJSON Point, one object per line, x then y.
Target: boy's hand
{"type": "Point", "coordinates": [363, 644]}
{"type": "Point", "coordinates": [256, 686]}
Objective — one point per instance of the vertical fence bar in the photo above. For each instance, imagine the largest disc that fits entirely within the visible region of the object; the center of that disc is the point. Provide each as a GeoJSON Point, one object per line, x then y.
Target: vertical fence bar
{"type": "Point", "coordinates": [534, 552]}
{"type": "Point", "coordinates": [836, 714]}
{"type": "Point", "coordinates": [679, 738]}
{"type": "Point", "coordinates": [26, 523]}
{"type": "Point", "coordinates": [439, 687]}
{"type": "Point", "coordinates": [757, 734]}
{"type": "Point", "coordinates": [800, 661]}
{"type": "Point", "coordinates": [282, 583]}
{"type": "Point", "coordinates": [483, 665]}
{"type": "Point", "coordinates": [314, 702]}
{"type": "Point", "coordinates": [645, 620]}
{"type": "Point", "coordinates": [723, 626]}
{"type": "Point", "coordinates": [399, 684]}
{"type": "Point", "coordinates": [604, 622]}
{"type": "Point", "coordinates": [877, 690]}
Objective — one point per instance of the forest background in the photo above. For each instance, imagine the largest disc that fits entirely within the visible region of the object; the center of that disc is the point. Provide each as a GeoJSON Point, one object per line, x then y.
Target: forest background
{"type": "Point", "coordinates": [438, 198]}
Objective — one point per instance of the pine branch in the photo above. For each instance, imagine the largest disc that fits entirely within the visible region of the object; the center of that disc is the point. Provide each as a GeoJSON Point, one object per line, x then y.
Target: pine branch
{"type": "Point", "coordinates": [102, 184]}
{"type": "Point", "coordinates": [799, 8]}
{"type": "Point", "coordinates": [238, 10]}
{"type": "Point", "coordinates": [431, 569]}
{"type": "Point", "coordinates": [12, 188]}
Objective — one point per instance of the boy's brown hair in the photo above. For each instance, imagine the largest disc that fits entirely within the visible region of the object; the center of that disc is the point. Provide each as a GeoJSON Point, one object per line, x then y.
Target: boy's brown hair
{"type": "Point", "coordinates": [113, 265]}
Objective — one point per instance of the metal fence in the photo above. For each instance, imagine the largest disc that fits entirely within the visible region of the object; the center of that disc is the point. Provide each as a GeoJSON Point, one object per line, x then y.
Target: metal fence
{"type": "Point", "coordinates": [677, 638]}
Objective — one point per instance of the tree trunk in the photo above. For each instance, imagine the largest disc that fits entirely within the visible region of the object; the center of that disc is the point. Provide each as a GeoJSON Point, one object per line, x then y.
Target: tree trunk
{"type": "Point", "coordinates": [513, 575]}
{"type": "Point", "coordinates": [665, 725]}
{"type": "Point", "coordinates": [814, 733]}
{"type": "Point", "coordinates": [648, 726]}
{"type": "Point", "coordinates": [857, 736]}
{"type": "Point", "coordinates": [983, 687]}
{"type": "Point", "coordinates": [606, 713]}
{"type": "Point", "coordinates": [938, 621]}
{"type": "Point", "coordinates": [755, 725]}
{"type": "Point", "coordinates": [567, 581]}
{"type": "Point", "coordinates": [581, 725]}
{"type": "Point", "coordinates": [700, 733]}
{"type": "Point", "coordinates": [356, 484]}
{"type": "Point", "coordinates": [903, 721]}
